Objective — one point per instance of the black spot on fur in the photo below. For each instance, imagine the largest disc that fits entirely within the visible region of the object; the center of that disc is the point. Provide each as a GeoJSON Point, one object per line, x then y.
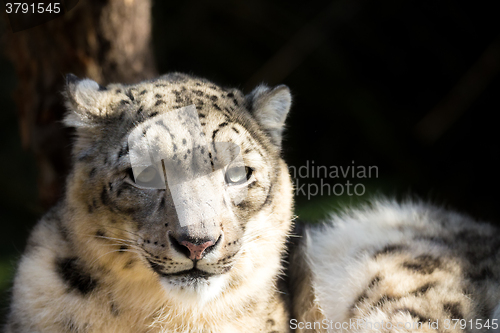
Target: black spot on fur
{"type": "Point", "coordinates": [129, 94]}
{"type": "Point", "coordinates": [214, 134]}
{"type": "Point", "coordinates": [234, 129]}
{"type": "Point", "coordinates": [453, 309]}
{"type": "Point", "coordinates": [75, 275]}
{"type": "Point", "coordinates": [143, 92]}
{"type": "Point", "coordinates": [424, 264]}
{"type": "Point", "coordinates": [423, 289]}
{"type": "Point", "coordinates": [117, 91]}
{"type": "Point", "coordinates": [158, 96]}
{"type": "Point", "coordinates": [123, 248]}
{"type": "Point", "coordinates": [374, 281]}
{"type": "Point", "coordinates": [389, 249]}
{"type": "Point", "coordinates": [158, 102]}
{"type": "Point", "coordinates": [162, 204]}
{"type": "Point", "coordinates": [104, 196]}
{"type": "Point", "coordinates": [223, 124]}
{"type": "Point", "coordinates": [211, 159]}
{"type": "Point", "coordinates": [92, 172]}
{"type": "Point", "coordinates": [361, 298]}
{"type": "Point", "coordinates": [160, 85]}
{"type": "Point", "coordinates": [100, 233]}
{"type": "Point", "coordinates": [230, 95]}
{"type": "Point", "coordinates": [184, 141]}
{"type": "Point", "coordinates": [385, 299]}
{"type": "Point", "coordinates": [153, 114]}
{"type": "Point", "coordinates": [123, 151]}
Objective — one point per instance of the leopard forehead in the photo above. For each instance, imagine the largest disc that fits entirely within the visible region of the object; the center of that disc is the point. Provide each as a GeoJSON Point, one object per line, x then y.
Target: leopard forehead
{"type": "Point", "coordinates": [130, 105]}
{"type": "Point", "coordinates": [172, 92]}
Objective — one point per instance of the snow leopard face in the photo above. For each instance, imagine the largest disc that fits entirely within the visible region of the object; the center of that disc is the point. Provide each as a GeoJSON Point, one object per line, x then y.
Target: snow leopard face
{"type": "Point", "coordinates": [196, 214]}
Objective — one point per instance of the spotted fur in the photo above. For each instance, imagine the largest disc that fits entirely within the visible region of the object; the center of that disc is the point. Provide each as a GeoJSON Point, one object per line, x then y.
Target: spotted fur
{"type": "Point", "coordinates": [398, 263]}
{"type": "Point", "coordinates": [109, 256]}
{"type": "Point", "coordinates": [107, 259]}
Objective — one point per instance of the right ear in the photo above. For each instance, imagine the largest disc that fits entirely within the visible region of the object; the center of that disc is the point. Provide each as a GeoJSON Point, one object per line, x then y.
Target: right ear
{"type": "Point", "coordinates": [270, 107]}
{"type": "Point", "coordinates": [87, 102]}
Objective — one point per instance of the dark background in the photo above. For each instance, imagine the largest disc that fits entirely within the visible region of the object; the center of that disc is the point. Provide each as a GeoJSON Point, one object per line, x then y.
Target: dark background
{"type": "Point", "coordinates": [408, 86]}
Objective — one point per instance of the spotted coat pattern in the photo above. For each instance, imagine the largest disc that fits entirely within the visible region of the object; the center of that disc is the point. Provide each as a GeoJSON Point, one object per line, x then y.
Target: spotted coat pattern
{"type": "Point", "coordinates": [412, 264]}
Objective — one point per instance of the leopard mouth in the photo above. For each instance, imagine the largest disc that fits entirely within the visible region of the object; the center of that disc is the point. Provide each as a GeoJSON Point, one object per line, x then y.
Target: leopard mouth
{"type": "Point", "coordinates": [191, 274]}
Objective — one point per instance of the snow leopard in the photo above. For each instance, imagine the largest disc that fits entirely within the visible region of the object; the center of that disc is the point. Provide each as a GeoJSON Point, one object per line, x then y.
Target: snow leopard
{"type": "Point", "coordinates": [137, 248]}
{"type": "Point", "coordinates": [397, 267]}
{"type": "Point", "coordinates": [118, 255]}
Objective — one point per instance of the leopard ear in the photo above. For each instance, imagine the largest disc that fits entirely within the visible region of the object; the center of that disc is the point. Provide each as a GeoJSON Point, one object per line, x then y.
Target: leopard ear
{"type": "Point", "coordinates": [270, 107]}
{"type": "Point", "coordinates": [86, 100]}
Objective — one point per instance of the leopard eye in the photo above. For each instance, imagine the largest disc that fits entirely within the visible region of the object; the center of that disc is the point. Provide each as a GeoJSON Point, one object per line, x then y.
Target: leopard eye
{"type": "Point", "coordinates": [238, 175]}
{"type": "Point", "coordinates": [149, 178]}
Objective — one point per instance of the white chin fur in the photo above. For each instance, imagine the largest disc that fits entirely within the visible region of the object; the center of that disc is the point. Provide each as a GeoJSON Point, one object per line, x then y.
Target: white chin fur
{"type": "Point", "coordinates": [200, 293]}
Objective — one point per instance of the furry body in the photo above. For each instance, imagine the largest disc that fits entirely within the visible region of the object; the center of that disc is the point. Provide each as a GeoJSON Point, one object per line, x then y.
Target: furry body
{"type": "Point", "coordinates": [113, 256]}
{"type": "Point", "coordinates": [398, 263]}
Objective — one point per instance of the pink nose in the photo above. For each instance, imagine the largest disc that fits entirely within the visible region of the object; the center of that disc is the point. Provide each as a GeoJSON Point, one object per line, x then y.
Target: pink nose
{"type": "Point", "coordinates": [196, 251]}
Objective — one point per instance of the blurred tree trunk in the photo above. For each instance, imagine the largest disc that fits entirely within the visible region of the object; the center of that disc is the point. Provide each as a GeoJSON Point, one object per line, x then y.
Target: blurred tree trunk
{"type": "Point", "coordinates": [108, 41]}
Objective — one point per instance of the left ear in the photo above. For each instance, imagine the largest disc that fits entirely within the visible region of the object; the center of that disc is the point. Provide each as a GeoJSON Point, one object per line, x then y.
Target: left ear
{"type": "Point", "coordinates": [270, 107]}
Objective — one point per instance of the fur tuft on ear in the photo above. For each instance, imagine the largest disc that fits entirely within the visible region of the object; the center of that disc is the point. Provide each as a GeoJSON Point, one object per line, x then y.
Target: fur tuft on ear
{"type": "Point", "coordinates": [270, 107]}
{"type": "Point", "coordinates": [86, 100]}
